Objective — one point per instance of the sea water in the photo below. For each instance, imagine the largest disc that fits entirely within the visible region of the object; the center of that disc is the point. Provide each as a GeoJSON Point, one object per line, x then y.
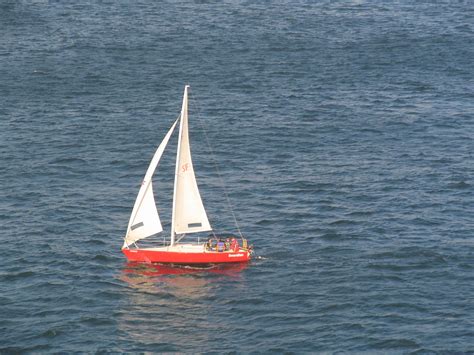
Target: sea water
{"type": "Point", "coordinates": [343, 135]}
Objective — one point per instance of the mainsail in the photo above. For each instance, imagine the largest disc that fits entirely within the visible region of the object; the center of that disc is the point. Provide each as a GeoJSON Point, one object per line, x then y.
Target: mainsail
{"type": "Point", "coordinates": [189, 215]}
{"type": "Point", "coordinates": [145, 221]}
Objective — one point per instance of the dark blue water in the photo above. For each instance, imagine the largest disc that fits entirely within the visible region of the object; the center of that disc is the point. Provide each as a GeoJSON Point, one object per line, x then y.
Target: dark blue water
{"type": "Point", "coordinates": [344, 134]}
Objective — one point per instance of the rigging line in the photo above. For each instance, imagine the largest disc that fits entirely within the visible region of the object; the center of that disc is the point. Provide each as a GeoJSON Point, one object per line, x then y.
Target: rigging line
{"type": "Point", "coordinates": [216, 166]}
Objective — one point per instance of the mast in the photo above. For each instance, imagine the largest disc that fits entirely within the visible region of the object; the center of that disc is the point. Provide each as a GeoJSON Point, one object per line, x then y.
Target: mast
{"type": "Point", "coordinates": [184, 109]}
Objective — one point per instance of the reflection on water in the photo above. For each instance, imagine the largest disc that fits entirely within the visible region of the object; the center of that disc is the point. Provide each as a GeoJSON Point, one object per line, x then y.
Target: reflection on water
{"type": "Point", "coordinates": [163, 301]}
{"type": "Point", "coordinates": [180, 281]}
{"type": "Point", "coordinates": [166, 269]}
{"type": "Point", "coordinates": [143, 276]}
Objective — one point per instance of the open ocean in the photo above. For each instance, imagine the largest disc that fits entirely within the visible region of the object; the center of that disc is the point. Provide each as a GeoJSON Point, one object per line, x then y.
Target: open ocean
{"type": "Point", "coordinates": [344, 135]}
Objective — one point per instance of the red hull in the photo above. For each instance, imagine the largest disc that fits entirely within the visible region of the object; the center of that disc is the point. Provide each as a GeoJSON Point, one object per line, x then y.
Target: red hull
{"type": "Point", "coordinates": [153, 256]}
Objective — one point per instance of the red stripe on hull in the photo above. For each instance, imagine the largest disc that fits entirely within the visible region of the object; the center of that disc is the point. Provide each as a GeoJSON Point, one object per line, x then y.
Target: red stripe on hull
{"type": "Point", "coordinates": [153, 256]}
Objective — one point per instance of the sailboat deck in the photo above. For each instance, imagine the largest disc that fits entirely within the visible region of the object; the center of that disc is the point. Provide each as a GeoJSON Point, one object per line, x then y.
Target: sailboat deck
{"type": "Point", "coordinates": [180, 248]}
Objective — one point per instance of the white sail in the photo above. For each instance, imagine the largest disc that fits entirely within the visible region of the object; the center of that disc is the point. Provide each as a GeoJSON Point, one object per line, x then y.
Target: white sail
{"type": "Point", "coordinates": [189, 215]}
{"type": "Point", "coordinates": [145, 220]}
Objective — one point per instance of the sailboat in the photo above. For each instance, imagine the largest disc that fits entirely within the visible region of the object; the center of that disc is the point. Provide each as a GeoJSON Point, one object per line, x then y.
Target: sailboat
{"type": "Point", "coordinates": [188, 214]}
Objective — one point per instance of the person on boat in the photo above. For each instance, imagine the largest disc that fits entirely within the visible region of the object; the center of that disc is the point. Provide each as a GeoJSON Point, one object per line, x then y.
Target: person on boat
{"type": "Point", "coordinates": [211, 244]}
{"type": "Point", "coordinates": [208, 245]}
{"type": "Point", "coordinates": [227, 244]}
{"type": "Point", "coordinates": [234, 245]}
{"type": "Point", "coordinates": [220, 246]}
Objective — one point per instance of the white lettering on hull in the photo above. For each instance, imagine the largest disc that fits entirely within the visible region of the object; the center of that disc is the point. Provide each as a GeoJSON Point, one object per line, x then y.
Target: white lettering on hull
{"type": "Point", "coordinates": [235, 255]}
